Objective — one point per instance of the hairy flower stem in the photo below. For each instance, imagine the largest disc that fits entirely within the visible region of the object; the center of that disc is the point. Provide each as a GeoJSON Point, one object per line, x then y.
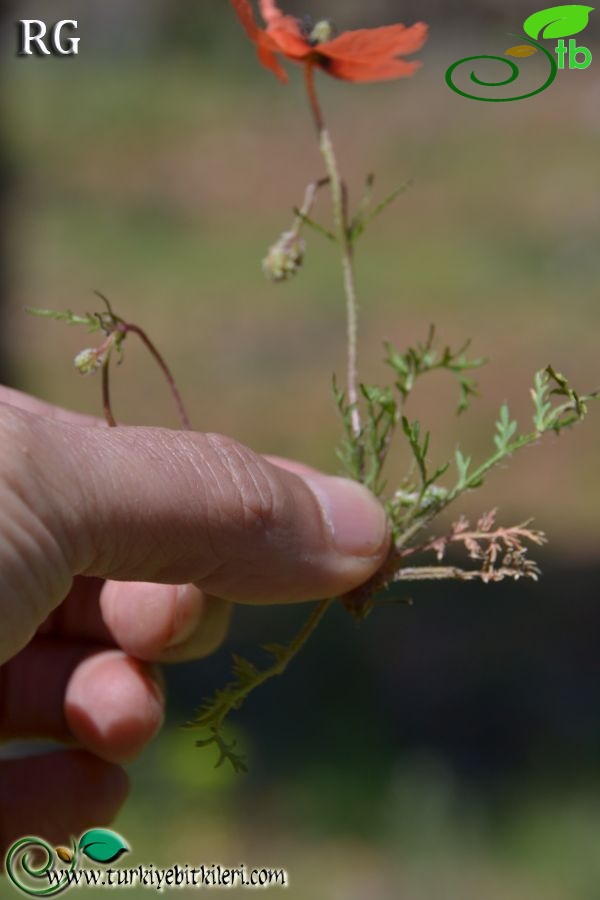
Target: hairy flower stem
{"type": "Point", "coordinates": [342, 228]}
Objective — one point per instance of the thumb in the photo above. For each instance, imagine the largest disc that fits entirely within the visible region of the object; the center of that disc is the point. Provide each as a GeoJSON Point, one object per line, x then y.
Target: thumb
{"type": "Point", "coordinates": [152, 505]}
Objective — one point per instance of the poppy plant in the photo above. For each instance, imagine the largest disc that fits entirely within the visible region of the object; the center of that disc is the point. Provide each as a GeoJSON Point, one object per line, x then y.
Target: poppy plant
{"type": "Point", "coordinates": [369, 54]}
{"type": "Point", "coordinates": [373, 417]}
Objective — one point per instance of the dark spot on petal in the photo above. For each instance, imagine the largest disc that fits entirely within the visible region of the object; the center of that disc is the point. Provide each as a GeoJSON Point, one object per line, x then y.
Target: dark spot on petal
{"type": "Point", "coordinates": [322, 61]}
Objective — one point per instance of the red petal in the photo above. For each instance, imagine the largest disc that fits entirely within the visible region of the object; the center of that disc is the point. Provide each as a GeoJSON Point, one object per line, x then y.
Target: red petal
{"type": "Point", "coordinates": [270, 61]}
{"type": "Point", "coordinates": [286, 32]}
{"type": "Point", "coordinates": [246, 17]}
{"type": "Point", "coordinates": [270, 11]}
{"type": "Point", "coordinates": [371, 44]}
{"type": "Point", "coordinates": [376, 71]}
{"type": "Point", "coordinates": [289, 39]}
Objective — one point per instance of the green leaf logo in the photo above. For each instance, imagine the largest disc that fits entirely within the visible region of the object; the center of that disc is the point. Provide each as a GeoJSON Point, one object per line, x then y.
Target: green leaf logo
{"type": "Point", "coordinates": [558, 21]}
{"type": "Point", "coordinates": [101, 845]}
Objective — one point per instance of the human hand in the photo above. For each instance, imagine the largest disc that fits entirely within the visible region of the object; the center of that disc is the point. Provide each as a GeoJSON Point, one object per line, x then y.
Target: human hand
{"type": "Point", "coordinates": [120, 548]}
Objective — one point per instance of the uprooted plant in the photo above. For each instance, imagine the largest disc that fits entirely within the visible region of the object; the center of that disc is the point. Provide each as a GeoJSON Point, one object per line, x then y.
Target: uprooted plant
{"type": "Point", "coordinates": [374, 418]}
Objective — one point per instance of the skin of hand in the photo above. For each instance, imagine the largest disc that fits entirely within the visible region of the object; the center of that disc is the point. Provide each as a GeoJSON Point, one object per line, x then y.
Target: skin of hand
{"type": "Point", "coordinates": [122, 548]}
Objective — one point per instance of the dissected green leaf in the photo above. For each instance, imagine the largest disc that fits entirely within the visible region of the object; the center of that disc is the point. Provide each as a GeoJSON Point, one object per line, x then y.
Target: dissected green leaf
{"type": "Point", "coordinates": [316, 226]}
{"type": "Point", "coordinates": [541, 401]}
{"type": "Point", "coordinates": [463, 464]}
{"type": "Point", "coordinates": [364, 220]}
{"type": "Point", "coordinates": [351, 450]}
{"type": "Point", "coordinates": [92, 321]}
{"type": "Point", "coordinates": [506, 429]}
{"type": "Point", "coordinates": [425, 357]}
{"type": "Point", "coordinates": [243, 669]}
{"type": "Point", "coordinates": [277, 650]}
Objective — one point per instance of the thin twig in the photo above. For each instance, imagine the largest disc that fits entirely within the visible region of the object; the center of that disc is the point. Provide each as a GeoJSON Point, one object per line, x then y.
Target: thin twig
{"type": "Point", "coordinates": [303, 213]}
{"type": "Point", "coordinates": [106, 406]}
{"type": "Point", "coordinates": [310, 195]}
{"type": "Point", "coordinates": [445, 573]}
{"type": "Point", "coordinates": [135, 329]}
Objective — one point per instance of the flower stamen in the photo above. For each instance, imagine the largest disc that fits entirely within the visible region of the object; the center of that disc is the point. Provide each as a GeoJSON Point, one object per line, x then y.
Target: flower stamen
{"type": "Point", "coordinates": [322, 32]}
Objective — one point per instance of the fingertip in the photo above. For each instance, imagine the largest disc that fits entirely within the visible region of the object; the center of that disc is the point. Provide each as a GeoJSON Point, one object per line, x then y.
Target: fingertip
{"type": "Point", "coordinates": [164, 623]}
{"type": "Point", "coordinates": [356, 520]}
{"type": "Point", "coordinates": [114, 705]}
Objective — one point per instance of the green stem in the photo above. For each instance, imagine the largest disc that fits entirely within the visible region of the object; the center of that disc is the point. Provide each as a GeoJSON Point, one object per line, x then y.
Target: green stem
{"type": "Point", "coordinates": [343, 230]}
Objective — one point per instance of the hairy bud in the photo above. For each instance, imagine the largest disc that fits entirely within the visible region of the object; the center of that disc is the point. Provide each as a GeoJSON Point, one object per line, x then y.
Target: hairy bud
{"type": "Point", "coordinates": [88, 361]}
{"type": "Point", "coordinates": [285, 257]}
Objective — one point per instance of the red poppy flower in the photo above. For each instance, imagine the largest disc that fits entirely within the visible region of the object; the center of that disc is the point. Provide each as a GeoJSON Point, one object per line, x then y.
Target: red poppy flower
{"type": "Point", "coordinates": [370, 54]}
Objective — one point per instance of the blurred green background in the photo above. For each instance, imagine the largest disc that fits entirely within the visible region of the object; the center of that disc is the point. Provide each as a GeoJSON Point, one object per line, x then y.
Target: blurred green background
{"type": "Point", "coordinates": [447, 750]}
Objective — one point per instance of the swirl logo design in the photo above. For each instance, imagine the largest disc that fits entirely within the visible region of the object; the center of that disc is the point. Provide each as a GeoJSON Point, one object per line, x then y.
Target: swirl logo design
{"type": "Point", "coordinates": [40, 870]}
{"type": "Point", "coordinates": [555, 22]}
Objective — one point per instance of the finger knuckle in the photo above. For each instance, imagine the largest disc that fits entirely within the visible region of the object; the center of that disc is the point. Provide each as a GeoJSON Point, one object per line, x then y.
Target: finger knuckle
{"type": "Point", "coordinates": [255, 501]}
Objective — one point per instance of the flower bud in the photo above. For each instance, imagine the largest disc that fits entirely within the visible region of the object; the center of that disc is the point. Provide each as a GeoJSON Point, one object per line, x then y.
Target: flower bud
{"type": "Point", "coordinates": [285, 257]}
{"type": "Point", "coordinates": [433, 495]}
{"type": "Point", "coordinates": [88, 361]}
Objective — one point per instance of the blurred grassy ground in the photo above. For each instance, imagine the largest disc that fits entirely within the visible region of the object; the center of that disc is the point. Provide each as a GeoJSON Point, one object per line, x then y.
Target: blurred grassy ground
{"type": "Point", "coordinates": [161, 183]}
{"type": "Point", "coordinates": [430, 841]}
